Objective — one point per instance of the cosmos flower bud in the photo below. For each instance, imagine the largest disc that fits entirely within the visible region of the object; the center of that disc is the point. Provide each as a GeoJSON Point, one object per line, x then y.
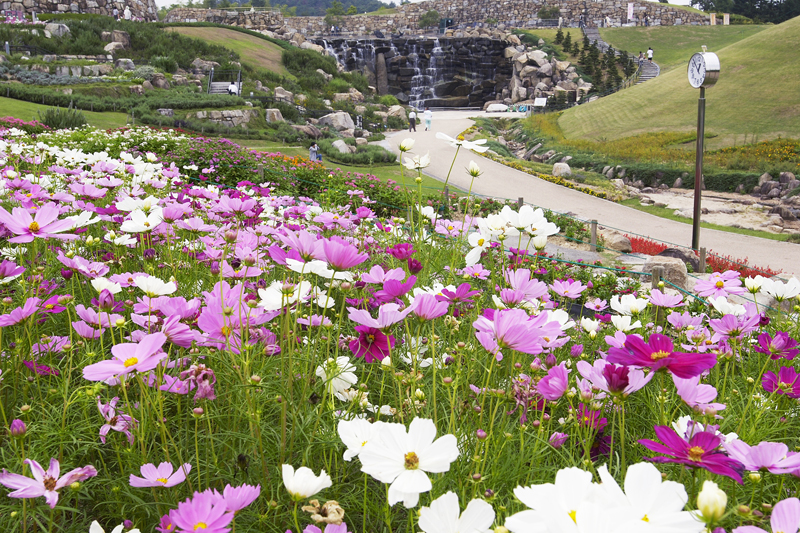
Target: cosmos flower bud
{"type": "Point", "coordinates": [230, 236]}
{"type": "Point", "coordinates": [197, 412]}
{"type": "Point", "coordinates": [711, 502]}
{"type": "Point", "coordinates": [17, 428]}
{"type": "Point", "coordinates": [481, 434]}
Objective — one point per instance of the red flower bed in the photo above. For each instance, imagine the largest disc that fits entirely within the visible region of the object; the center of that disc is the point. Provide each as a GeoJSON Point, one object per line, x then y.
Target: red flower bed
{"type": "Point", "coordinates": [643, 245]}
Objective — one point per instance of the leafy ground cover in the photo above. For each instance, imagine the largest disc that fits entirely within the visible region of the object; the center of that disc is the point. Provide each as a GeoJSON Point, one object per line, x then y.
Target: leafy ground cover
{"type": "Point", "coordinates": [191, 346]}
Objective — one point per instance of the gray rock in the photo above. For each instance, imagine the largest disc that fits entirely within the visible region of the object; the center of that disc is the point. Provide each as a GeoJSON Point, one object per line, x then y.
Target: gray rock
{"type": "Point", "coordinates": [561, 169]}
{"type": "Point", "coordinates": [774, 193]}
{"type": "Point", "coordinates": [309, 130]}
{"type": "Point", "coordinates": [342, 146]}
{"type": "Point", "coordinates": [113, 47]}
{"type": "Point", "coordinates": [147, 86]}
{"type": "Point", "coordinates": [684, 255]}
{"type": "Point", "coordinates": [786, 177]}
{"type": "Point", "coordinates": [274, 115]}
{"type": "Point", "coordinates": [105, 36]}
{"type": "Point", "coordinates": [784, 212]}
{"type": "Point", "coordinates": [618, 242]}
{"type": "Point", "coordinates": [284, 95]}
{"type": "Point", "coordinates": [160, 81]}
{"type": "Point", "coordinates": [678, 183]}
{"type": "Point", "coordinates": [339, 120]}
{"type": "Point", "coordinates": [765, 177]}
{"type": "Point", "coordinates": [57, 30]}
{"type": "Point", "coordinates": [205, 66]}
{"type": "Point", "coordinates": [674, 269]}
{"type": "Point", "coordinates": [397, 111]}
{"type": "Point", "coordinates": [137, 89]}
{"type": "Point", "coordinates": [166, 112]}
{"type": "Point", "coordinates": [124, 64]}
{"type": "Point", "coordinates": [122, 37]}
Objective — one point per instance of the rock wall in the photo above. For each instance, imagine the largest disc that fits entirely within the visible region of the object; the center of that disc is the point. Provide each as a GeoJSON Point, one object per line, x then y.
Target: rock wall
{"type": "Point", "coordinates": [256, 20]}
{"type": "Point", "coordinates": [141, 9]}
{"type": "Point", "coordinates": [511, 13]}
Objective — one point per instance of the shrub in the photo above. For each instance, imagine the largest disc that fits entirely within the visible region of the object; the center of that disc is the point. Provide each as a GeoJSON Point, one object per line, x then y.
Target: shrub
{"type": "Point", "coordinates": [165, 63]}
{"type": "Point", "coordinates": [365, 155]}
{"type": "Point", "coordinates": [548, 13]}
{"type": "Point", "coordinates": [396, 123]}
{"type": "Point", "coordinates": [303, 62]}
{"type": "Point", "coordinates": [32, 127]}
{"type": "Point", "coordinates": [388, 100]}
{"type": "Point", "coordinates": [337, 85]}
{"type": "Point", "coordinates": [60, 119]}
{"type": "Point", "coordinates": [145, 72]}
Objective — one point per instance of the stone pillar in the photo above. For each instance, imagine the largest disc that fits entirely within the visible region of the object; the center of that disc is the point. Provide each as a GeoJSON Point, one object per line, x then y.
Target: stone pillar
{"type": "Point", "coordinates": [381, 76]}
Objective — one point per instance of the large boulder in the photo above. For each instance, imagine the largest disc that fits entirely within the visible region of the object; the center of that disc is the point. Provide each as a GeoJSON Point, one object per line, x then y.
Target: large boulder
{"type": "Point", "coordinates": [496, 108]}
{"type": "Point", "coordinates": [308, 45]}
{"type": "Point", "coordinates": [397, 111]}
{"type": "Point", "coordinates": [674, 269]}
{"type": "Point", "coordinates": [274, 115]}
{"type": "Point", "coordinates": [339, 120]}
{"type": "Point", "coordinates": [561, 170]}
{"type": "Point", "coordinates": [147, 86]}
{"type": "Point", "coordinates": [111, 48]}
{"type": "Point", "coordinates": [618, 242]}
{"type": "Point", "coordinates": [538, 57]}
{"type": "Point", "coordinates": [56, 30]}
{"type": "Point", "coordinates": [205, 66]}
{"type": "Point", "coordinates": [283, 95]}
{"type": "Point", "coordinates": [308, 130]}
{"type": "Point", "coordinates": [119, 36]}
{"type": "Point", "coordinates": [138, 90]}
{"type": "Point", "coordinates": [159, 81]}
{"type": "Point", "coordinates": [124, 64]}
{"type": "Point", "coordinates": [342, 146]}
{"type": "Point", "coordinates": [688, 257]}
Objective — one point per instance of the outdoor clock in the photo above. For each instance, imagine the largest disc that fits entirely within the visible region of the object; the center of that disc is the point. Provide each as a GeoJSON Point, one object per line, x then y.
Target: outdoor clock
{"type": "Point", "coordinates": [703, 70]}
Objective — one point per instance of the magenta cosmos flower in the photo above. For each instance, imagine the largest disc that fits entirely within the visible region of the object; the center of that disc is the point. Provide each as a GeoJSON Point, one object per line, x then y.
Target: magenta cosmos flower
{"type": "Point", "coordinates": [160, 476]}
{"type": "Point", "coordinates": [777, 347]}
{"type": "Point", "coordinates": [44, 225]}
{"type": "Point", "coordinates": [658, 353]}
{"type": "Point", "coordinates": [206, 512]}
{"type": "Point", "coordinates": [785, 518]}
{"type": "Point", "coordinates": [555, 383]}
{"type": "Point", "coordinates": [786, 382]}
{"type": "Point", "coordinates": [701, 451]}
{"type": "Point", "coordinates": [128, 358]}
{"type": "Point", "coordinates": [372, 344]}
{"type": "Point", "coordinates": [45, 484]}
{"type": "Point", "coordinates": [114, 420]}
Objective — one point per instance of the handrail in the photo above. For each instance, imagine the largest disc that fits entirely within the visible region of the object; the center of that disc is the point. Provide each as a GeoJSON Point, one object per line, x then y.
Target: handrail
{"type": "Point", "coordinates": [210, 80]}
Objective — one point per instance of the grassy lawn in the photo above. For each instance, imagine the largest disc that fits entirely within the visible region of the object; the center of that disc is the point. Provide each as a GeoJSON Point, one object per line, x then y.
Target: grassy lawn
{"type": "Point", "coordinates": [674, 45]}
{"type": "Point", "coordinates": [28, 111]}
{"type": "Point", "coordinates": [257, 52]}
{"type": "Point", "coordinates": [663, 212]}
{"type": "Point", "coordinates": [756, 95]}
{"type": "Point", "coordinates": [384, 173]}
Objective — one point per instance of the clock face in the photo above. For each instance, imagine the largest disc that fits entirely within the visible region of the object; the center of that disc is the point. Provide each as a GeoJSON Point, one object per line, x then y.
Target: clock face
{"type": "Point", "coordinates": [697, 71]}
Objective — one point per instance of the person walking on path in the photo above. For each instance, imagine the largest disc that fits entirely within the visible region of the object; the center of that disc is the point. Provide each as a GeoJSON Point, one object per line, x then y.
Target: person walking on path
{"type": "Point", "coordinates": [412, 121]}
{"type": "Point", "coordinates": [115, 13]}
{"type": "Point", "coordinates": [428, 118]}
{"type": "Point", "coordinates": [127, 13]}
{"type": "Point", "coordinates": [641, 59]}
{"type": "Point", "coordinates": [650, 55]}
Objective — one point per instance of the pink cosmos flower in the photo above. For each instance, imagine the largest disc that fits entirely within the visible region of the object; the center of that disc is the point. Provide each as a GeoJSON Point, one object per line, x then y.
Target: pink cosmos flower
{"type": "Point", "coordinates": [781, 346]}
{"type": "Point", "coordinates": [377, 275]}
{"type": "Point", "coordinates": [118, 422]}
{"type": "Point", "coordinates": [160, 476]}
{"type": "Point", "coordinates": [786, 382]}
{"type": "Point", "coordinates": [697, 396]}
{"type": "Point", "coordinates": [203, 378]}
{"type": "Point", "coordinates": [44, 225]}
{"type": "Point", "coordinates": [659, 299]}
{"type": "Point", "coordinates": [427, 307]}
{"type": "Point", "coordinates": [462, 294]}
{"type": "Point", "coordinates": [388, 314]}
{"type": "Point", "coordinates": [785, 518]}
{"type": "Point", "coordinates": [237, 498]}
{"type": "Point", "coordinates": [772, 456]}
{"type": "Point", "coordinates": [557, 439]}
{"type": "Point", "coordinates": [568, 288]}
{"type": "Point", "coordinates": [19, 314]}
{"type": "Point", "coordinates": [204, 512]}
{"type": "Point", "coordinates": [613, 379]}
{"type": "Point", "coordinates": [731, 326]}
{"type": "Point", "coordinates": [681, 321]}
{"type": "Point", "coordinates": [700, 451]}
{"type": "Point", "coordinates": [555, 383]}
{"type": "Point", "coordinates": [45, 484]}
{"type": "Point", "coordinates": [514, 329]}
{"type": "Point", "coordinates": [596, 305]}
{"type": "Point", "coordinates": [341, 255]}
{"type": "Point", "coordinates": [720, 284]}
{"type": "Point", "coordinates": [128, 358]}
{"type": "Point", "coordinates": [658, 353]}
{"type": "Point", "coordinates": [520, 279]}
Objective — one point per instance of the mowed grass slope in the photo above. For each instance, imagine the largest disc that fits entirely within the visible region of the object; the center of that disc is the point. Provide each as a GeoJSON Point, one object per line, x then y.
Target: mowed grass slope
{"type": "Point", "coordinates": [757, 93]}
{"type": "Point", "coordinates": [254, 51]}
{"type": "Point", "coordinates": [674, 45]}
{"type": "Point", "coordinates": [10, 107]}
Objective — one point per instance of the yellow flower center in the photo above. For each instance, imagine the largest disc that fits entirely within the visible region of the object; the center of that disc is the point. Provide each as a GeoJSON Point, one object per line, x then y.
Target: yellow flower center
{"type": "Point", "coordinates": [226, 331]}
{"type": "Point", "coordinates": [49, 483]}
{"type": "Point", "coordinates": [162, 480]}
{"type": "Point", "coordinates": [370, 338]}
{"type": "Point", "coordinates": [411, 461]}
{"type": "Point", "coordinates": [200, 525]}
{"type": "Point", "coordinates": [645, 519]}
{"type": "Point", "coordinates": [130, 362]}
{"type": "Point", "coordinates": [34, 227]}
{"type": "Point", "coordinates": [696, 453]}
{"type": "Point", "coordinates": [480, 242]}
{"type": "Point", "coordinates": [363, 444]}
{"type": "Point", "coordinates": [573, 514]}
{"type": "Point", "coordinates": [657, 356]}
{"type": "Point", "coordinates": [719, 284]}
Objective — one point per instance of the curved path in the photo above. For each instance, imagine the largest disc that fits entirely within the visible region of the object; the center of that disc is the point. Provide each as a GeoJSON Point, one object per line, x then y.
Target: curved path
{"type": "Point", "coordinates": [500, 181]}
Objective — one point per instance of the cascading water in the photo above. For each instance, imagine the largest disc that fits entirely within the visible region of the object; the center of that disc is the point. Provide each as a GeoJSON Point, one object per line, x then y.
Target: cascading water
{"type": "Point", "coordinates": [331, 51]}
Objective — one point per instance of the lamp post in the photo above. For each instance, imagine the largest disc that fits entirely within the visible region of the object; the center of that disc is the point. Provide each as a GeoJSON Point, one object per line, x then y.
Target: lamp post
{"type": "Point", "coordinates": [703, 72]}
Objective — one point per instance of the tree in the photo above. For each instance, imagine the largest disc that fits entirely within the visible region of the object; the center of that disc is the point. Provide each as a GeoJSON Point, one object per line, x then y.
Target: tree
{"type": "Point", "coordinates": [352, 10]}
{"type": "Point", "coordinates": [334, 14]}
{"type": "Point", "coordinates": [224, 4]}
{"type": "Point", "coordinates": [567, 43]}
{"type": "Point", "coordinates": [559, 37]}
{"type": "Point", "coordinates": [431, 18]}
{"type": "Point", "coordinates": [259, 3]}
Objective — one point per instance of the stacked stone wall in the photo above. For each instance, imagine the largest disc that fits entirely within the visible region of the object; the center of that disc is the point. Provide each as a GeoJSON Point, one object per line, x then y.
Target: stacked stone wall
{"type": "Point", "coordinates": [140, 9]}
{"type": "Point", "coordinates": [255, 20]}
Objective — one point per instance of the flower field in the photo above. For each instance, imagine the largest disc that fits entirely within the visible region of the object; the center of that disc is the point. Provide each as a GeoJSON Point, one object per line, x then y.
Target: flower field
{"type": "Point", "coordinates": [199, 338]}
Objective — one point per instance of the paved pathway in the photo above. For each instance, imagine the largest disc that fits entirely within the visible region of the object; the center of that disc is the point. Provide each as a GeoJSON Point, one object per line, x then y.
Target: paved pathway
{"type": "Point", "coordinates": [500, 181]}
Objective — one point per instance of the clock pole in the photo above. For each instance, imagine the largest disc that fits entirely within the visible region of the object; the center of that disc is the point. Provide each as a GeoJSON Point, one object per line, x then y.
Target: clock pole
{"type": "Point", "coordinates": [698, 168]}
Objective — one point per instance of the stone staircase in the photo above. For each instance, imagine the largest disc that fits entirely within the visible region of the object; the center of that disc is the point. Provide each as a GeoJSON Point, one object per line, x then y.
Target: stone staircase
{"type": "Point", "coordinates": [649, 71]}
{"type": "Point", "coordinates": [219, 87]}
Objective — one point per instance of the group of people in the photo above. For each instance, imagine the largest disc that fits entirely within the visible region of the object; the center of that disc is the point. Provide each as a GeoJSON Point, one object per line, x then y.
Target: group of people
{"type": "Point", "coordinates": [649, 56]}
{"type": "Point", "coordinates": [412, 119]}
{"type": "Point", "coordinates": [126, 14]}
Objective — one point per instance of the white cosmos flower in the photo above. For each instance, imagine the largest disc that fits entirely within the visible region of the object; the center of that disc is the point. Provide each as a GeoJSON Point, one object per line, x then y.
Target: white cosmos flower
{"type": "Point", "coordinates": [277, 295]}
{"type": "Point", "coordinates": [303, 483]}
{"type": "Point", "coordinates": [82, 219]}
{"type": "Point", "coordinates": [647, 498]}
{"type": "Point", "coordinates": [337, 374]}
{"type": "Point", "coordinates": [101, 284]}
{"type": "Point", "coordinates": [712, 501]}
{"type": "Point", "coordinates": [355, 434]}
{"type": "Point", "coordinates": [141, 221]}
{"type": "Point", "coordinates": [407, 145]}
{"type": "Point", "coordinates": [96, 528]}
{"type": "Point", "coordinates": [628, 304]}
{"type": "Point", "coordinates": [754, 284]}
{"type": "Point", "coordinates": [589, 325]}
{"type": "Point", "coordinates": [479, 243]}
{"type": "Point", "coordinates": [418, 162]}
{"type": "Point", "coordinates": [477, 146]}
{"type": "Point", "coordinates": [132, 204]}
{"type": "Point", "coordinates": [152, 286]}
{"type": "Point", "coordinates": [473, 169]}
{"type": "Point", "coordinates": [779, 290]}
{"type": "Point", "coordinates": [722, 305]}
{"type": "Point", "coordinates": [443, 516]}
{"type": "Point", "coordinates": [623, 323]}
{"type": "Point", "coordinates": [427, 211]}
{"type": "Point", "coordinates": [540, 242]}
{"type": "Point", "coordinates": [402, 458]}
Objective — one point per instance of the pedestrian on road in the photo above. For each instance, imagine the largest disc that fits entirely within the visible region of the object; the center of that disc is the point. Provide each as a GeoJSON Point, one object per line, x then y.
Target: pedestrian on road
{"type": "Point", "coordinates": [650, 55]}
{"type": "Point", "coordinates": [428, 118]}
{"type": "Point", "coordinates": [412, 121]}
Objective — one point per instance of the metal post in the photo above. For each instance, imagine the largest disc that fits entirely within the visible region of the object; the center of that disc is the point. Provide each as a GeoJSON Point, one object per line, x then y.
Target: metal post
{"type": "Point", "coordinates": [520, 203]}
{"type": "Point", "coordinates": [702, 260]}
{"type": "Point", "coordinates": [593, 241]}
{"type": "Point", "coordinates": [698, 167]}
{"type": "Point", "coordinates": [447, 194]}
{"type": "Point", "coordinates": [658, 273]}
{"type": "Point", "coordinates": [261, 170]}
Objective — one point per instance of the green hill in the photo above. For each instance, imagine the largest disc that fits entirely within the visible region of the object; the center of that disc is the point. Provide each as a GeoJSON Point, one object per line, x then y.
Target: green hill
{"type": "Point", "coordinates": [757, 93]}
{"type": "Point", "coordinates": [673, 45]}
